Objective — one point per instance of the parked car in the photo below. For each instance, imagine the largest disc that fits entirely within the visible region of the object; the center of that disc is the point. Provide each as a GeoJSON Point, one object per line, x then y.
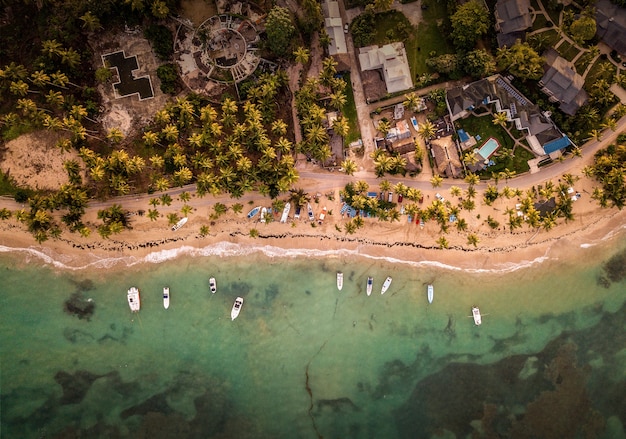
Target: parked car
{"type": "Point", "coordinates": [390, 197]}
{"type": "Point", "coordinates": [439, 197]}
{"type": "Point", "coordinates": [345, 28]}
{"type": "Point", "coordinates": [400, 198]}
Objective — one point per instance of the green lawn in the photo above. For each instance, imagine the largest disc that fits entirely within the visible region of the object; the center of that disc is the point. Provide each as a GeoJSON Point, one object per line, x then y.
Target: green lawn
{"type": "Point", "coordinates": [540, 22]}
{"type": "Point", "coordinates": [568, 51]}
{"type": "Point", "coordinates": [420, 42]}
{"type": "Point", "coordinates": [582, 63]}
{"type": "Point", "coordinates": [349, 112]}
{"type": "Point", "coordinates": [484, 127]}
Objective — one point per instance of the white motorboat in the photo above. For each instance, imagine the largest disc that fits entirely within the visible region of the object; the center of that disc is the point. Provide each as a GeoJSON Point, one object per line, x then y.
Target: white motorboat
{"type": "Point", "coordinates": [263, 213]}
{"type": "Point", "coordinates": [166, 297]}
{"type": "Point", "coordinates": [476, 314]}
{"type": "Point", "coordinates": [386, 285]}
{"type": "Point", "coordinates": [234, 312]}
{"type": "Point", "coordinates": [283, 218]}
{"type": "Point", "coordinates": [310, 210]}
{"type": "Point", "coordinates": [431, 293]}
{"type": "Point", "coordinates": [213, 285]}
{"type": "Point", "coordinates": [254, 211]}
{"type": "Point", "coordinates": [339, 280]}
{"type": "Point", "coordinates": [370, 284]}
{"type": "Point", "coordinates": [179, 224]}
{"type": "Point", "coordinates": [134, 301]}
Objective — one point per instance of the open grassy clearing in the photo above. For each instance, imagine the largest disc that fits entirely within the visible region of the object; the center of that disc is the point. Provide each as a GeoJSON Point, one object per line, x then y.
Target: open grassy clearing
{"type": "Point", "coordinates": [349, 112]}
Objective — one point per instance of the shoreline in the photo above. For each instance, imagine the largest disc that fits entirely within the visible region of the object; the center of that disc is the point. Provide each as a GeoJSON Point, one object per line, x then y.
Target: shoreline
{"type": "Point", "coordinates": [401, 242]}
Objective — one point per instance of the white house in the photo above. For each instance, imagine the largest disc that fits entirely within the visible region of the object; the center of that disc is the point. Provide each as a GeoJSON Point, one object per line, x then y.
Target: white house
{"type": "Point", "coordinates": [334, 28]}
{"type": "Point", "coordinates": [391, 58]}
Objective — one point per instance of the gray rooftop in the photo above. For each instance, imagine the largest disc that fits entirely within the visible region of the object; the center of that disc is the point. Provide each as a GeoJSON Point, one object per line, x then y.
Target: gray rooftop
{"type": "Point", "coordinates": [513, 15]}
{"type": "Point", "coordinates": [563, 82]}
{"type": "Point", "coordinates": [611, 25]}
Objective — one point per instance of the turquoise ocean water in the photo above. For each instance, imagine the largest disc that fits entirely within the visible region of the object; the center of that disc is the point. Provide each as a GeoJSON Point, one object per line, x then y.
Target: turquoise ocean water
{"type": "Point", "coordinates": [304, 360]}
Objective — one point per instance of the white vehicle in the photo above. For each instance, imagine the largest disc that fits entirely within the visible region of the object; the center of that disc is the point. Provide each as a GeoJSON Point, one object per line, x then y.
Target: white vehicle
{"type": "Point", "coordinates": [439, 197]}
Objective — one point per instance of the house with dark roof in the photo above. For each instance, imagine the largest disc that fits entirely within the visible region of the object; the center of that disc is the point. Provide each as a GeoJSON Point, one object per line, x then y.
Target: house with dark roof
{"type": "Point", "coordinates": [499, 95]}
{"type": "Point", "coordinates": [611, 25]}
{"type": "Point", "coordinates": [562, 84]}
{"type": "Point", "coordinates": [512, 19]}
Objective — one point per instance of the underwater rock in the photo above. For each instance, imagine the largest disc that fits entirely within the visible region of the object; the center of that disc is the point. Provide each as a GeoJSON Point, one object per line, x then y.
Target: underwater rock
{"type": "Point", "coordinates": [615, 267]}
{"type": "Point", "coordinates": [155, 404]}
{"type": "Point", "coordinates": [75, 386]}
{"type": "Point", "coordinates": [337, 405]}
{"type": "Point", "coordinates": [79, 306]}
{"type": "Point", "coordinates": [545, 394]}
{"type": "Point", "coordinates": [75, 335]}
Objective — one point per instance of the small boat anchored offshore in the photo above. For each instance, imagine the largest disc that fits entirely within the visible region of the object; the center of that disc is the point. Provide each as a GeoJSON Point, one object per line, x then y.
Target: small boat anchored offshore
{"type": "Point", "coordinates": [134, 301]}
{"type": "Point", "coordinates": [431, 293]}
{"type": "Point", "coordinates": [213, 285]}
{"type": "Point", "coordinates": [166, 297]}
{"type": "Point", "coordinates": [179, 224]}
{"type": "Point", "coordinates": [386, 285]}
{"type": "Point", "coordinates": [339, 280]}
{"type": "Point", "coordinates": [370, 284]}
{"type": "Point", "coordinates": [234, 312]}
{"type": "Point", "coordinates": [476, 314]}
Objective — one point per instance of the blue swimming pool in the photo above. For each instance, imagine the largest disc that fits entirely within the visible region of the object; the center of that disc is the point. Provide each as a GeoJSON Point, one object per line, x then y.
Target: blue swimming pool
{"type": "Point", "coordinates": [488, 148]}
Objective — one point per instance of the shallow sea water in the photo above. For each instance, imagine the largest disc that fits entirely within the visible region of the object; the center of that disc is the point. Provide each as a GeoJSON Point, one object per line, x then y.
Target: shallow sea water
{"type": "Point", "coordinates": [304, 360]}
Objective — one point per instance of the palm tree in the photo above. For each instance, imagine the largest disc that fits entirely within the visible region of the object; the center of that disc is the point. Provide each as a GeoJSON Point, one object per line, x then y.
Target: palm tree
{"type": "Point", "coordinates": [302, 55]}
{"type": "Point", "coordinates": [472, 179]}
{"type": "Point", "coordinates": [455, 191]}
{"type": "Point", "coordinates": [436, 180]}
{"type": "Point", "coordinates": [384, 126]}
{"type": "Point", "coordinates": [90, 22]}
{"type": "Point", "coordinates": [298, 197]}
{"type": "Point", "coordinates": [412, 101]}
{"type": "Point", "coordinates": [443, 242]}
{"type": "Point", "coordinates": [349, 166]}
{"type": "Point", "coordinates": [341, 127]}
{"type": "Point", "coordinates": [472, 239]}
{"type": "Point", "coordinates": [500, 119]}
{"type": "Point", "coordinates": [426, 130]}
{"type": "Point", "coordinates": [279, 127]}
{"type": "Point", "coordinates": [153, 214]}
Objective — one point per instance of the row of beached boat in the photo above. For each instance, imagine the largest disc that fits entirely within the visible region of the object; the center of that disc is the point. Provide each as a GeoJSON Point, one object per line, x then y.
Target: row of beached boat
{"type": "Point", "coordinates": [134, 299]}
{"type": "Point", "coordinates": [430, 293]}
{"type": "Point", "coordinates": [285, 215]}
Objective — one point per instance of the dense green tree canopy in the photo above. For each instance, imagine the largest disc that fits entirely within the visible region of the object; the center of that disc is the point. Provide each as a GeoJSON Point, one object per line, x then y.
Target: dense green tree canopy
{"type": "Point", "coordinates": [583, 29]}
{"type": "Point", "coordinates": [280, 30]}
{"type": "Point", "coordinates": [521, 60]}
{"type": "Point", "coordinates": [469, 23]}
{"type": "Point", "coordinates": [479, 63]}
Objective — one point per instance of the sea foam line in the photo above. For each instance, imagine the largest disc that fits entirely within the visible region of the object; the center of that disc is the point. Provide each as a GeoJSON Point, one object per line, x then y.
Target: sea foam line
{"type": "Point", "coordinates": [228, 249]}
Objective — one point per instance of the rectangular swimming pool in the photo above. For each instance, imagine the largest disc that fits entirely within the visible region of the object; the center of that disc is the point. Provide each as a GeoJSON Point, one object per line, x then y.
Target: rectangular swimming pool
{"type": "Point", "coordinates": [488, 148]}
